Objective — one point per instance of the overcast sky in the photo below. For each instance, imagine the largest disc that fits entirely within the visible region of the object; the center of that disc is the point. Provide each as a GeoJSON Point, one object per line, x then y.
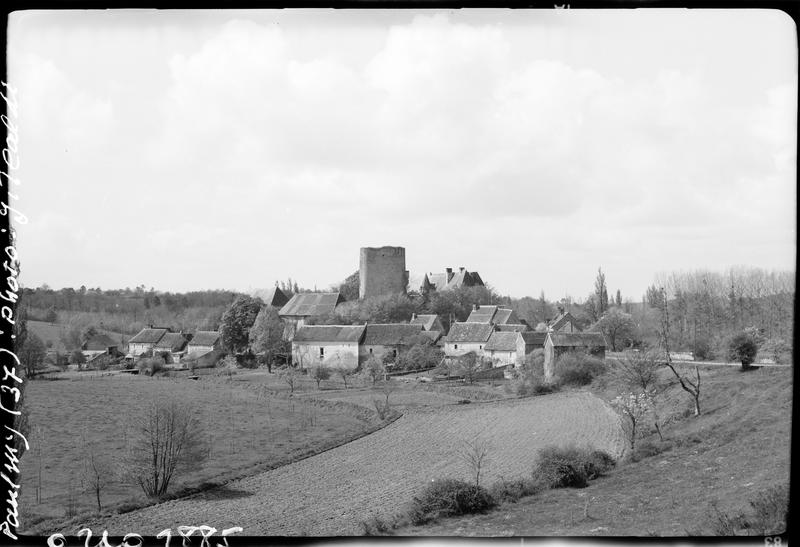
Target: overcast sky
{"type": "Point", "coordinates": [207, 150]}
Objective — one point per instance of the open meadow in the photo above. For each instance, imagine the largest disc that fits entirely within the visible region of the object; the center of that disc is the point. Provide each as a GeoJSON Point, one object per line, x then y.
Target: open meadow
{"type": "Point", "coordinates": [376, 475]}
{"type": "Point", "coordinates": [248, 432]}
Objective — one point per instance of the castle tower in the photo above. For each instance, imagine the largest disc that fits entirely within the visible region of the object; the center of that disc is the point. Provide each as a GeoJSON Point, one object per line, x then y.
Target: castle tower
{"type": "Point", "coordinates": [382, 270]}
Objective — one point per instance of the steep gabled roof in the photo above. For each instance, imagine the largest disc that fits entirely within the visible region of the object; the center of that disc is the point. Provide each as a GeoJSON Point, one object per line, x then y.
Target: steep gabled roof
{"type": "Point", "coordinates": [562, 320]}
{"type": "Point", "coordinates": [469, 332]}
{"type": "Point", "coordinates": [172, 341]}
{"type": "Point", "coordinates": [99, 342]}
{"type": "Point", "coordinates": [272, 297]}
{"type": "Point", "coordinates": [578, 339]}
{"type": "Point", "coordinates": [311, 303]}
{"type": "Point", "coordinates": [504, 316]}
{"type": "Point", "coordinates": [433, 335]}
{"type": "Point", "coordinates": [391, 334]}
{"type": "Point", "coordinates": [484, 314]}
{"type": "Point", "coordinates": [533, 338]}
{"type": "Point", "coordinates": [148, 336]}
{"type": "Point", "coordinates": [204, 338]}
{"type": "Point", "coordinates": [512, 327]}
{"type": "Point", "coordinates": [329, 333]}
{"type": "Point", "coordinates": [502, 341]}
{"type": "Point", "coordinates": [438, 280]}
{"type": "Point", "coordinates": [426, 320]}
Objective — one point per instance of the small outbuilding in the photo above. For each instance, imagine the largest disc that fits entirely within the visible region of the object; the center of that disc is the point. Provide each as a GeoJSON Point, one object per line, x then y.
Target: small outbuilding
{"type": "Point", "coordinates": [335, 346]}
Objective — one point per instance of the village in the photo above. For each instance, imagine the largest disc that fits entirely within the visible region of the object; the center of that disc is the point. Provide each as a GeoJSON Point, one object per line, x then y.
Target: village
{"type": "Point", "coordinates": [493, 333]}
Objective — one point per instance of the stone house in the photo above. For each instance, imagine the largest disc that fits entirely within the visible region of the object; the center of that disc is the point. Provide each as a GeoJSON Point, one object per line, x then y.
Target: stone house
{"type": "Point", "coordinates": [557, 344]}
{"type": "Point", "coordinates": [335, 346]}
{"type": "Point", "coordinates": [203, 341]}
{"type": "Point", "coordinates": [99, 344]}
{"type": "Point", "coordinates": [505, 348]}
{"type": "Point", "coordinates": [449, 280]}
{"type": "Point", "coordinates": [172, 347]}
{"type": "Point", "coordinates": [303, 306]}
{"type": "Point", "coordinates": [144, 341]}
{"type": "Point", "coordinates": [429, 322]}
{"type": "Point", "coordinates": [389, 338]}
{"type": "Point", "coordinates": [466, 337]}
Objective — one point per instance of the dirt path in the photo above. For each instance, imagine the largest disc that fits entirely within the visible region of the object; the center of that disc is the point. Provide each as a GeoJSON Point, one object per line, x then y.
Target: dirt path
{"type": "Point", "coordinates": [332, 492]}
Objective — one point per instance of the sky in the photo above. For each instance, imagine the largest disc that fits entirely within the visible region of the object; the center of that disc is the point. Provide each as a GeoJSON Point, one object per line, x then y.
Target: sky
{"type": "Point", "coordinates": [229, 149]}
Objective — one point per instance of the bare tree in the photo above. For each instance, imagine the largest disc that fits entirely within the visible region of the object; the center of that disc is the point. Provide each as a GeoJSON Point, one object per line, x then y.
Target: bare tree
{"type": "Point", "coordinates": [692, 387]}
{"type": "Point", "coordinates": [344, 373]}
{"type": "Point", "coordinates": [167, 439]}
{"type": "Point", "coordinates": [632, 407]}
{"type": "Point", "coordinates": [387, 387]}
{"type": "Point", "coordinates": [640, 372]}
{"type": "Point", "coordinates": [475, 454]}
{"type": "Point", "coordinates": [468, 366]}
{"type": "Point", "coordinates": [320, 373]}
{"type": "Point", "coordinates": [97, 474]}
{"type": "Point", "coordinates": [291, 376]}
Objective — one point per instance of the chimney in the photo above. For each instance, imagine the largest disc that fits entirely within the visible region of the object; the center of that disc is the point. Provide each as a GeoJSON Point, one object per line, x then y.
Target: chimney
{"type": "Point", "coordinates": [461, 269]}
{"type": "Point", "coordinates": [477, 307]}
{"type": "Point", "coordinates": [449, 274]}
{"type": "Point", "coordinates": [413, 316]}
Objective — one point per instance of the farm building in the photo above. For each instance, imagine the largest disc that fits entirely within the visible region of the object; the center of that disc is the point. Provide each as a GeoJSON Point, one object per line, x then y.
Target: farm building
{"type": "Point", "coordinates": [505, 348]}
{"type": "Point", "coordinates": [302, 306]}
{"type": "Point", "coordinates": [429, 322]}
{"type": "Point", "coordinates": [466, 337]}
{"type": "Point", "coordinates": [450, 280]}
{"type": "Point", "coordinates": [557, 344]}
{"type": "Point", "coordinates": [144, 341]}
{"type": "Point", "coordinates": [533, 340]}
{"type": "Point", "coordinates": [99, 344]}
{"type": "Point", "coordinates": [389, 338]}
{"type": "Point", "coordinates": [564, 322]}
{"type": "Point", "coordinates": [335, 346]}
{"type": "Point", "coordinates": [172, 347]}
{"type": "Point", "coordinates": [493, 314]}
{"type": "Point", "coordinates": [203, 341]}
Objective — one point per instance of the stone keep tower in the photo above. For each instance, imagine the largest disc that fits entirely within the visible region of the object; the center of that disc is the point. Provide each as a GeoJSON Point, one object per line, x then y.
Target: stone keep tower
{"type": "Point", "coordinates": [382, 270]}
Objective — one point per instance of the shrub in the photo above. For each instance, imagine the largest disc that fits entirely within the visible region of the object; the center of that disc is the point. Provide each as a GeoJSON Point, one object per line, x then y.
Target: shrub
{"type": "Point", "coordinates": [150, 366]}
{"type": "Point", "coordinates": [505, 491]}
{"type": "Point", "coordinates": [648, 448]}
{"type": "Point", "coordinates": [578, 369]}
{"type": "Point", "coordinates": [743, 349]}
{"type": "Point", "coordinates": [570, 466]}
{"type": "Point", "coordinates": [702, 350]}
{"type": "Point", "coordinates": [767, 516]}
{"type": "Point", "coordinates": [449, 497]}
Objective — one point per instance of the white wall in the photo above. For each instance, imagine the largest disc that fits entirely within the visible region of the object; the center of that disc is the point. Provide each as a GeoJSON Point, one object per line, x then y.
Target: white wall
{"type": "Point", "coordinates": [336, 354]}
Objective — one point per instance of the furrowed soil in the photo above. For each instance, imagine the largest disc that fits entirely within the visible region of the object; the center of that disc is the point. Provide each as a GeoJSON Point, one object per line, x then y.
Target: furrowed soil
{"type": "Point", "coordinates": [333, 492]}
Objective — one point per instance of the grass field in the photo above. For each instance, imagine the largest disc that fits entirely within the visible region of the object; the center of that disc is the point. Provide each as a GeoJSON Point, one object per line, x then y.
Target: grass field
{"type": "Point", "coordinates": [737, 448]}
{"type": "Point", "coordinates": [249, 432]}
{"type": "Point", "coordinates": [50, 333]}
{"type": "Point", "coordinates": [376, 475]}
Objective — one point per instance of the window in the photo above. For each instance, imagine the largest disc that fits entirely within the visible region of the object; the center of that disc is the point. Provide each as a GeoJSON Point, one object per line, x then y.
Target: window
{"type": "Point", "coordinates": [455, 346]}
{"type": "Point", "coordinates": [480, 347]}
{"type": "Point", "coordinates": [321, 353]}
{"type": "Point", "coordinates": [370, 351]}
{"type": "Point", "coordinates": [394, 353]}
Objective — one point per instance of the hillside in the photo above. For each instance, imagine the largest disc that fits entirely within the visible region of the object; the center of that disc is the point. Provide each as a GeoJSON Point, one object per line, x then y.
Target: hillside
{"type": "Point", "coordinates": [738, 448]}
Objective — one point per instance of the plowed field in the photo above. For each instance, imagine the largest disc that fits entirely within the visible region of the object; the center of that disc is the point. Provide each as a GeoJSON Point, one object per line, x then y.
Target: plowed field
{"type": "Point", "coordinates": [332, 492]}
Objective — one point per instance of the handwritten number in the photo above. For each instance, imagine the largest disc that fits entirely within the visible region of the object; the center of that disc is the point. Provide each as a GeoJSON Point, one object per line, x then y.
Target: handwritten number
{"type": "Point", "coordinates": [56, 540]}
{"type": "Point", "coordinates": [165, 533]}
{"type": "Point", "coordinates": [226, 532]}
{"type": "Point", "coordinates": [134, 536]}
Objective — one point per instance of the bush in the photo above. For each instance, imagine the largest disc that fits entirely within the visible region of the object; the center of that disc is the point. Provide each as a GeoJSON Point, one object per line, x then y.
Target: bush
{"type": "Point", "coordinates": [570, 466]}
{"type": "Point", "coordinates": [767, 516]}
{"type": "Point", "coordinates": [150, 366]}
{"type": "Point", "coordinates": [743, 349]}
{"type": "Point", "coordinates": [578, 369]}
{"type": "Point", "coordinates": [505, 491]}
{"type": "Point", "coordinates": [702, 350]}
{"type": "Point", "coordinates": [648, 448]}
{"type": "Point", "coordinates": [449, 497]}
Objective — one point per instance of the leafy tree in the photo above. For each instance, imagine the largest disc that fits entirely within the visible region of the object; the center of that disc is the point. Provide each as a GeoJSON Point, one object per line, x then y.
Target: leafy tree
{"type": "Point", "coordinates": [51, 316]}
{"type": "Point", "coordinates": [617, 326]}
{"type": "Point", "coordinates": [420, 356]}
{"type": "Point", "coordinates": [32, 355]}
{"type": "Point", "coordinates": [168, 438]}
{"type": "Point", "coordinates": [468, 366]}
{"type": "Point", "coordinates": [743, 349]}
{"type": "Point", "coordinates": [344, 373]}
{"type": "Point", "coordinates": [237, 321]}
{"type": "Point", "coordinates": [320, 373]}
{"type": "Point", "coordinates": [349, 288]}
{"type": "Point", "coordinates": [266, 335]}
{"type": "Point", "coordinates": [639, 372]}
{"type": "Point", "coordinates": [632, 407]}
{"type": "Point", "coordinates": [601, 291]}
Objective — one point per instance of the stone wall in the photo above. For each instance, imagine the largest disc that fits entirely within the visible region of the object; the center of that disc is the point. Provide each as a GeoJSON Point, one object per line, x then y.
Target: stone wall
{"type": "Point", "coordinates": [382, 270]}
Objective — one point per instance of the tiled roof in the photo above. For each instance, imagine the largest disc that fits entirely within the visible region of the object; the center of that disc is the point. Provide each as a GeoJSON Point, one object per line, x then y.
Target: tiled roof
{"type": "Point", "coordinates": [99, 342]}
{"type": "Point", "coordinates": [434, 335]}
{"type": "Point", "coordinates": [469, 332]}
{"type": "Point", "coordinates": [311, 303]}
{"type": "Point", "coordinates": [391, 334]}
{"type": "Point", "coordinates": [512, 327]}
{"type": "Point", "coordinates": [172, 341]}
{"type": "Point", "coordinates": [426, 320]}
{"type": "Point", "coordinates": [204, 338]}
{"type": "Point", "coordinates": [272, 297]}
{"type": "Point", "coordinates": [484, 314]}
{"type": "Point", "coordinates": [148, 336]}
{"type": "Point", "coordinates": [578, 339]}
{"type": "Point", "coordinates": [505, 316]}
{"type": "Point", "coordinates": [329, 333]}
{"type": "Point", "coordinates": [502, 341]}
{"type": "Point", "coordinates": [562, 320]}
{"type": "Point", "coordinates": [534, 338]}
{"type": "Point", "coordinates": [438, 280]}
